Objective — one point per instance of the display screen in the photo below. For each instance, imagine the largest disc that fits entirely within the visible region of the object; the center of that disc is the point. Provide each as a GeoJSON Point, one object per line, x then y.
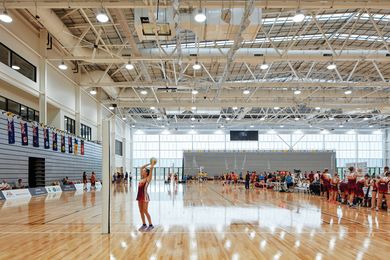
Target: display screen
{"type": "Point", "coordinates": [244, 135]}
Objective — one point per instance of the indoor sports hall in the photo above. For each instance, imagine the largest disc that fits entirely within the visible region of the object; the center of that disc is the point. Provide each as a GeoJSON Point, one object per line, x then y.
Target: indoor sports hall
{"type": "Point", "coordinates": [195, 129]}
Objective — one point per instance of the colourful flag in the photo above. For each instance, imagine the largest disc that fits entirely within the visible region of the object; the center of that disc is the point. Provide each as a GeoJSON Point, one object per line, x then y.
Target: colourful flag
{"type": "Point", "coordinates": [82, 147]}
{"type": "Point", "coordinates": [54, 137]}
{"type": "Point", "coordinates": [35, 135]}
{"type": "Point", "coordinates": [46, 141]}
{"type": "Point", "coordinates": [70, 144]}
{"type": "Point", "coordinates": [63, 143]}
{"type": "Point", "coordinates": [24, 132]}
{"type": "Point", "coordinates": [11, 130]}
{"type": "Point", "coordinates": [76, 146]}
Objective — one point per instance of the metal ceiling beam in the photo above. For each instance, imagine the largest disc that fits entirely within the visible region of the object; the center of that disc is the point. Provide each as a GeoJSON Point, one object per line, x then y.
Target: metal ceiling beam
{"type": "Point", "coordinates": [266, 4]}
{"type": "Point", "coordinates": [269, 104]}
{"type": "Point", "coordinates": [310, 83]}
{"type": "Point", "coordinates": [250, 58]}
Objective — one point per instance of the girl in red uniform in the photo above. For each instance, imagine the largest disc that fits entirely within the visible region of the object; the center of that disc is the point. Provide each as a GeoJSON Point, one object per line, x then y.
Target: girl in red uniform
{"type": "Point", "coordinates": [359, 191]}
{"type": "Point", "coordinates": [326, 178]}
{"type": "Point", "coordinates": [352, 176]}
{"type": "Point", "coordinates": [334, 187]}
{"type": "Point", "coordinates": [143, 196]}
{"type": "Point", "coordinates": [343, 186]}
{"type": "Point", "coordinates": [383, 190]}
{"type": "Point", "coordinates": [374, 193]}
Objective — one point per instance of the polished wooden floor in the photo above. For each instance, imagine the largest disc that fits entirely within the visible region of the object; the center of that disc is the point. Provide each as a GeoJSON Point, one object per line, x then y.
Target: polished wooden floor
{"type": "Point", "coordinates": [197, 221]}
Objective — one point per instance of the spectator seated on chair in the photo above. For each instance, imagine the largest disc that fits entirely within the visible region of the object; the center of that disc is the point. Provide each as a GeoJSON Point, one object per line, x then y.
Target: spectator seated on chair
{"type": "Point", "coordinates": [4, 185]}
{"type": "Point", "coordinates": [19, 184]}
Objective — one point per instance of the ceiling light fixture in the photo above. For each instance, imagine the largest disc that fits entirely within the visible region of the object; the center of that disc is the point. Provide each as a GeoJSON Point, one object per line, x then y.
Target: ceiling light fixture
{"type": "Point", "coordinates": [348, 92]}
{"type": "Point", "coordinates": [331, 118]}
{"type": "Point", "coordinates": [298, 17]}
{"type": "Point", "coordinates": [246, 92]}
{"type": "Point", "coordinates": [15, 67]}
{"type": "Point", "coordinates": [200, 17]}
{"type": "Point", "coordinates": [281, 126]}
{"type": "Point", "coordinates": [297, 92]}
{"type": "Point", "coordinates": [129, 66]}
{"type": "Point", "coordinates": [4, 17]}
{"type": "Point", "coordinates": [262, 119]}
{"type": "Point", "coordinates": [93, 92]}
{"type": "Point", "coordinates": [196, 66]}
{"type": "Point", "coordinates": [193, 108]}
{"type": "Point", "coordinates": [227, 118]}
{"type": "Point", "coordinates": [222, 126]}
{"type": "Point", "coordinates": [331, 66]}
{"type": "Point", "coordinates": [111, 107]}
{"type": "Point", "coordinates": [276, 108]}
{"type": "Point", "coordinates": [152, 108]}
{"type": "Point", "coordinates": [102, 17]}
{"type": "Point", "coordinates": [341, 126]}
{"type": "Point", "coordinates": [159, 118]}
{"type": "Point", "coordinates": [124, 118]}
{"type": "Point", "coordinates": [62, 66]}
{"type": "Point", "coordinates": [370, 126]}
{"type": "Point", "coordinates": [251, 126]}
{"type": "Point", "coordinates": [296, 119]}
{"type": "Point", "coordinates": [317, 108]}
{"type": "Point", "coordinates": [195, 92]}
{"type": "Point", "coordinates": [324, 132]}
{"type": "Point", "coordinates": [366, 119]}
{"type": "Point", "coordinates": [144, 92]}
{"type": "Point", "coordinates": [132, 126]}
{"type": "Point", "coordinates": [193, 119]}
{"type": "Point", "coordinates": [192, 126]}
{"type": "Point", "coordinates": [264, 66]}
{"type": "Point", "coordinates": [234, 108]}
{"type": "Point", "coordinates": [271, 132]}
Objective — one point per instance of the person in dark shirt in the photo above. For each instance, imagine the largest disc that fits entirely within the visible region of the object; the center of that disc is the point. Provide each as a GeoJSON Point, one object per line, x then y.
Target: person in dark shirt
{"type": "Point", "coordinates": [247, 179]}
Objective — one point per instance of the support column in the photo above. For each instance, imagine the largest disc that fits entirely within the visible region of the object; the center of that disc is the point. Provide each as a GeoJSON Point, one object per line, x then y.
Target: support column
{"type": "Point", "coordinates": [112, 146]}
{"type": "Point", "coordinates": [99, 115]}
{"type": "Point", "coordinates": [356, 150]}
{"type": "Point", "coordinates": [131, 163]}
{"type": "Point", "coordinates": [106, 209]}
{"type": "Point", "coordinates": [386, 146]}
{"type": "Point", "coordinates": [43, 77]}
{"type": "Point", "coordinates": [124, 147]}
{"type": "Point", "coordinates": [77, 108]}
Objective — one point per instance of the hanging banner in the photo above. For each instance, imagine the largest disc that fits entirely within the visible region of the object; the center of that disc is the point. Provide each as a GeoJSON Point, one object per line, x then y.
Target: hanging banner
{"type": "Point", "coordinates": [70, 144]}
{"type": "Point", "coordinates": [54, 137]}
{"type": "Point", "coordinates": [82, 147]}
{"type": "Point", "coordinates": [63, 143]}
{"type": "Point", "coordinates": [46, 141]}
{"type": "Point", "coordinates": [24, 132]}
{"type": "Point", "coordinates": [35, 135]}
{"type": "Point", "coordinates": [11, 130]}
{"type": "Point", "coordinates": [76, 146]}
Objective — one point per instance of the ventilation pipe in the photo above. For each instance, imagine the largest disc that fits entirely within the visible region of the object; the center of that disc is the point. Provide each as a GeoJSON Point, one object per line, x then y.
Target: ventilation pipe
{"type": "Point", "coordinates": [58, 29]}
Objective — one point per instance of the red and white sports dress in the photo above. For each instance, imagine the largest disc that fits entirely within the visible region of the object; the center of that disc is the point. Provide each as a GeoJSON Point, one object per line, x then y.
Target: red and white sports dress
{"type": "Point", "coordinates": [383, 186]}
{"type": "Point", "coordinates": [142, 194]}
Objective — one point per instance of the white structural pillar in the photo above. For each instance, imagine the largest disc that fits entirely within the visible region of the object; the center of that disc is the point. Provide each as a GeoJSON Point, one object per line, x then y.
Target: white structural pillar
{"type": "Point", "coordinates": [112, 141]}
{"type": "Point", "coordinates": [131, 164]}
{"type": "Point", "coordinates": [98, 115]}
{"type": "Point", "coordinates": [78, 107]}
{"type": "Point", "coordinates": [124, 148]}
{"type": "Point", "coordinates": [43, 77]}
{"type": "Point", "coordinates": [106, 209]}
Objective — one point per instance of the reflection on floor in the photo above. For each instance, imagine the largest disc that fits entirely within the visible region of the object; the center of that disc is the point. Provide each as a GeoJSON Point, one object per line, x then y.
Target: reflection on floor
{"type": "Point", "coordinates": [196, 221]}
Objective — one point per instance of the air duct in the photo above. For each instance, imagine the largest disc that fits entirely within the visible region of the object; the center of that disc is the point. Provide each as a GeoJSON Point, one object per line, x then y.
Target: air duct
{"type": "Point", "coordinates": [220, 24]}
